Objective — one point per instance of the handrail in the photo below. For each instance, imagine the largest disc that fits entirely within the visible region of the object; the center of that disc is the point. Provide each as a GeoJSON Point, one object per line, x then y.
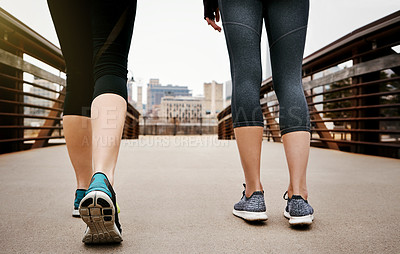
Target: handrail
{"type": "Point", "coordinates": [36, 45]}
{"type": "Point", "coordinates": [354, 36]}
{"type": "Point", "coordinates": [359, 99]}
{"type": "Point", "coordinates": [29, 119]}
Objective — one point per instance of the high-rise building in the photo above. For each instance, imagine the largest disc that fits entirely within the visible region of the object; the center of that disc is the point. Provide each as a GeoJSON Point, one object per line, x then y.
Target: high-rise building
{"type": "Point", "coordinates": [154, 81]}
{"type": "Point", "coordinates": [155, 91]}
{"type": "Point", "coordinates": [129, 86]}
{"type": "Point", "coordinates": [228, 93]}
{"type": "Point", "coordinates": [139, 103]}
{"type": "Point", "coordinates": [213, 98]}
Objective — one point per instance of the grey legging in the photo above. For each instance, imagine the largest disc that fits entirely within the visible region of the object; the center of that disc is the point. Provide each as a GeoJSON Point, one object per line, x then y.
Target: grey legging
{"type": "Point", "coordinates": [286, 23]}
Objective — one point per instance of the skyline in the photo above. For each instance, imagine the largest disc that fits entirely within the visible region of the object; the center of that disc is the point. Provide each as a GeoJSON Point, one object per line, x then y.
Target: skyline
{"type": "Point", "coordinates": [179, 48]}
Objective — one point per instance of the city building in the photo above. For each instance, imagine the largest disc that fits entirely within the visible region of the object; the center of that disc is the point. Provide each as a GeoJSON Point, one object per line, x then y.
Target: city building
{"type": "Point", "coordinates": [154, 81]}
{"type": "Point", "coordinates": [155, 111]}
{"type": "Point", "coordinates": [213, 98]}
{"type": "Point", "coordinates": [129, 86]}
{"type": "Point", "coordinates": [228, 93]}
{"type": "Point", "coordinates": [38, 101]}
{"type": "Point", "coordinates": [155, 91]}
{"type": "Point", "coordinates": [185, 109]}
{"type": "Point", "coordinates": [139, 103]}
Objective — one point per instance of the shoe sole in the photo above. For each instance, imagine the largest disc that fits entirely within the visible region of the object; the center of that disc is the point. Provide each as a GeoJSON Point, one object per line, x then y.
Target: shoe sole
{"type": "Point", "coordinates": [98, 212]}
{"type": "Point", "coordinates": [75, 213]}
{"type": "Point", "coordinates": [251, 216]}
{"type": "Point", "coordinates": [299, 220]}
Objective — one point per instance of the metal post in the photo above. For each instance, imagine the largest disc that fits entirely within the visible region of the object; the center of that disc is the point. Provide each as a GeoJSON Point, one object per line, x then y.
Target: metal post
{"type": "Point", "coordinates": [201, 126]}
{"type": "Point", "coordinates": [144, 125]}
{"type": "Point", "coordinates": [174, 125]}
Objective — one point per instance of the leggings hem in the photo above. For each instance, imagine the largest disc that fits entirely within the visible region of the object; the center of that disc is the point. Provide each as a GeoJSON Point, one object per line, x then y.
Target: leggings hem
{"type": "Point", "coordinates": [248, 123]}
{"type": "Point", "coordinates": [118, 86]}
{"type": "Point", "coordinates": [74, 114]}
{"type": "Point", "coordinates": [295, 128]}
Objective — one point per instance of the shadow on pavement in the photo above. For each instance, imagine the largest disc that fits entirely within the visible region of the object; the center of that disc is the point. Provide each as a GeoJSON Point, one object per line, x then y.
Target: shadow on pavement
{"type": "Point", "coordinates": [256, 223]}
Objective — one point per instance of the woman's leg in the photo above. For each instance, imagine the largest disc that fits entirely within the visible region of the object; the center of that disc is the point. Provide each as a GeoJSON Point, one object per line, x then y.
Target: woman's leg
{"type": "Point", "coordinates": [286, 22]}
{"type": "Point", "coordinates": [108, 118]}
{"type": "Point", "coordinates": [75, 38]}
{"type": "Point", "coordinates": [78, 136]}
{"type": "Point", "coordinates": [112, 25]}
{"type": "Point", "coordinates": [242, 24]}
{"type": "Point", "coordinates": [249, 140]}
{"type": "Point", "coordinates": [297, 147]}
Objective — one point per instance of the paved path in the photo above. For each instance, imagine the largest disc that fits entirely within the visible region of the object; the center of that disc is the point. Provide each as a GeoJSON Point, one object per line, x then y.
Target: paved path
{"type": "Point", "coordinates": [176, 196]}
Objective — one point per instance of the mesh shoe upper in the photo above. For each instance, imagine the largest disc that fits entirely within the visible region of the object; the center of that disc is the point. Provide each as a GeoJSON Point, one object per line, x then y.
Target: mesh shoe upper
{"type": "Point", "coordinates": [255, 203]}
{"type": "Point", "coordinates": [100, 182]}
{"type": "Point", "coordinates": [297, 206]}
{"type": "Point", "coordinates": [79, 194]}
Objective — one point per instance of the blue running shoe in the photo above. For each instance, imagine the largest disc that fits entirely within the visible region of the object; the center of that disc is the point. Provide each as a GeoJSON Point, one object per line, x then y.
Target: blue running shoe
{"type": "Point", "coordinates": [79, 194]}
{"type": "Point", "coordinates": [98, 209]}
{"type": "Point", "coordinates": [298, 210]}
{"type": "Point", "coordinates": [252, 208]}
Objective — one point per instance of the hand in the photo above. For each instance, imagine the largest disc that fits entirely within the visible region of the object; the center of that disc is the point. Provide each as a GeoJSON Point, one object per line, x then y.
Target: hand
{"type": "Point", "coordinates": [212, 23]}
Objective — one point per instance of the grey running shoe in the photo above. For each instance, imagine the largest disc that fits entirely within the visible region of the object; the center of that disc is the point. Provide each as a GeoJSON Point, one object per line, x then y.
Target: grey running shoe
{"type": "Point", "coordinates": [252, 208]}
{"type": "Point", "coordinates": [298, 211]}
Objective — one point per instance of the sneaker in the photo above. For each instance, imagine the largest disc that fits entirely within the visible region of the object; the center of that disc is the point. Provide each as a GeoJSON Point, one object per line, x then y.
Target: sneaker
{"type": "Point", "coordinates": [79, 194]}
{"type": "Point", "coordinates": [298, 211]}
{"type": "Point", "coordinates": [252, 208]}
{"type": "Point", "coordinates": [98, 209]}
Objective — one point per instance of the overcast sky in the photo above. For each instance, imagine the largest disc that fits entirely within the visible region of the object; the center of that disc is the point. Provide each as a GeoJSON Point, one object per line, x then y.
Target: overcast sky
{"type": "Point", "coordinates": [172, 42]}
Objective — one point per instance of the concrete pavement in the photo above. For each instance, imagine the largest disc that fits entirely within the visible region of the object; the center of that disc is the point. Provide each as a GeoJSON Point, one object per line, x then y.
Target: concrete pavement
{"type": "Point", "coordinates": [176, 195]}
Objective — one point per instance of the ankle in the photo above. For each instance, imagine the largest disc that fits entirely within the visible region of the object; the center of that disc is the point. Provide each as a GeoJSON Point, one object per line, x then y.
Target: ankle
{"type": "Point", "coordinates": [82, 185]}
{"type": "Point", "coordinates": [299, 192]}
{"type": "Point", "coordinates": [252, 187]}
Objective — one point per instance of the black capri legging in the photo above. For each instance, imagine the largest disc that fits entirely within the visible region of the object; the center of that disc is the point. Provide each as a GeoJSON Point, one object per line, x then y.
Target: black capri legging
{"type": "Point", "coordinates": [286, 23]}
{"type": "Point", "coordinates": [95, 37]}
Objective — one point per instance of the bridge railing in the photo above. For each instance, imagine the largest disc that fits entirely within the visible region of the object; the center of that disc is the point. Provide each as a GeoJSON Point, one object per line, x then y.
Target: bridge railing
{"type": "Point", "coordinates": [32, 97]}
{"type": "Point", "coordinates": [158, 125]}
{"type": "Point", "coordinates": [352, 88]}
{"type": "Point", "coordinates": [131, 127]}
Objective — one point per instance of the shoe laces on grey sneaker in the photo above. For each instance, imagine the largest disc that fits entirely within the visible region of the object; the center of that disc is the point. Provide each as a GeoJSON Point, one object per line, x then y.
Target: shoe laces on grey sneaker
{"type": "Point", "coordinates": [297, 206]}
{"type": "Point", "coordinates": [254, 203]}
